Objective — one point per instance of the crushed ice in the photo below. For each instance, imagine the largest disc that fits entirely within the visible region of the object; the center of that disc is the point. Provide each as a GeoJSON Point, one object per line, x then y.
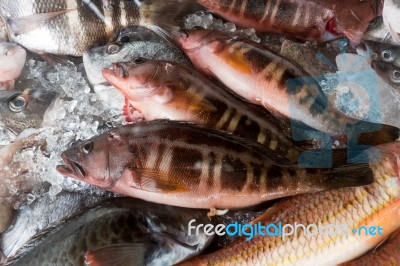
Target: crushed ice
{"type": "Point", "coordinates": [208, 21]}
{"type": "Point", "coordinates": [78, 114]}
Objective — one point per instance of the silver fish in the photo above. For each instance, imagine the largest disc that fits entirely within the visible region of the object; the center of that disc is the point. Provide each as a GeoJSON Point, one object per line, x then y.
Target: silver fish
{"type": "Point", "coordinates": [139, 42]}
{"type": "Point", "coordinates": [118, 231]}
{"type": "Point", "coordinates": [24, 109]}
{"type": "Point", "coordinates": [389, 73]}
{"type": "Point", "coordinates": [377, 32]}
{"type": "Point", "coordinates": [45, 211]}
{"type": "Point", "coordinates": [70, 27]}
{"type": "Point", "coordinates": [391, 18]}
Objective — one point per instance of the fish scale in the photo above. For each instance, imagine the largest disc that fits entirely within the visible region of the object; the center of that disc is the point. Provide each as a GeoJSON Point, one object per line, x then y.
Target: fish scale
{"type": "Point", "coordinates": [190, 96]}
{"type": "Point", "coordinates": [373, 205]}
{"type": "Point", "coordinates": [70, 27]}
{"type": "Point", "coordinates": [267, 79]}
{"type": "Point", "coordinates": [185, 165]}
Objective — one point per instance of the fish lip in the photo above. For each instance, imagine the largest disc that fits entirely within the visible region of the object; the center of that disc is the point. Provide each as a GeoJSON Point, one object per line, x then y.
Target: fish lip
{"type": "Point", "coordinates": [71, 168]}
{"type": "Point", "coordinates": [119, 70]}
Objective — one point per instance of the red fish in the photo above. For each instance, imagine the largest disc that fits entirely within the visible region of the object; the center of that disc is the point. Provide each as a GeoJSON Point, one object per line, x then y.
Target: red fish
{"type": "Point", "coordinates": [305, 19]}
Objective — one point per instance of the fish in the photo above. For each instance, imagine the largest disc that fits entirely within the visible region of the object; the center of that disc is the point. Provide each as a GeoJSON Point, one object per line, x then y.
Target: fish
{"type": "Point", "coordinates": [20, 110]}
{"type": "Point", "coordinates": [167, 90]}
{"type": "Point", "coordinates": [45, 211]}
{"type": "Point", "coordinates": [140, 42]}
{"type": "Point", "coordinates": [391, 18]}
{"type": "Point", "coordinates": [383, 52]}
{"type": "Point", "coordinates": [70, 27]}
{"type": "Point", "coordinates": [274, 82]}
{"type": "Point", "coordinates": [389, 73]}
{"type": "Point", "coordinates": [185, 165]}
{"type": "Point", "coordinates": [375, 205]}
{"type": "Point", "coordinates": [304, 19]}
{"type": "Point", "coordinates": [117, 232]}
{"type": "Point", "coordinates": [385, 254]}
{"type": "Point", "coordinates": [12, 62]}
{"type": "Point", "coordinates": [377, 32]}
{"type": "Point", "coordinates": [14, 182]}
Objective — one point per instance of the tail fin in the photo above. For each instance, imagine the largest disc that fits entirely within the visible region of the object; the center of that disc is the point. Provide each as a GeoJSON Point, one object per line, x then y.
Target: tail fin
{"type": "Point", "coordinates": [166, 13]}
{"type": "Point", "coordinates": [385, 134]}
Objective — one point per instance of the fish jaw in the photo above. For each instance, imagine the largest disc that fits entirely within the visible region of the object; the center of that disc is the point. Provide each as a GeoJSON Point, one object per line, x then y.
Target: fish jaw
{"type": "Point", "coordinates": [71, 168]}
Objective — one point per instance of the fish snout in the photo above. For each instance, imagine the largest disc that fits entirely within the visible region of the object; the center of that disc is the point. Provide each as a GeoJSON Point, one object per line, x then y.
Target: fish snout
{"type": "Point", "coordinates": [71, 168]}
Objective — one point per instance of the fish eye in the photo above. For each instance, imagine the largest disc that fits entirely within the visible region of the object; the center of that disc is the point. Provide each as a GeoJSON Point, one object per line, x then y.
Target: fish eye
{"type": "Point", "coordinates": [387, 56]}
{"type": "Point", "coordinates": [198, 28]}
{"type": "Point", "coordinates": [395, 77]}
{"type": "Point", "coordinates": [17, 104]}
{"type": "Point", "coordinates": [113, 48]}
{"type": "Point", "coordinates": [87, 147]}
{"type": "Point", "coordinates": [139, 60]}
{"type": "Point", "coordinates": [125, 39]}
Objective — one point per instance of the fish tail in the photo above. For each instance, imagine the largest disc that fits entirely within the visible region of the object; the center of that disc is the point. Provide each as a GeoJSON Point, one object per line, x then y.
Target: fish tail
{"type": "Point", "coordinates": [376, 134]}
{"type": "Point", "coordinates": [165, 14]}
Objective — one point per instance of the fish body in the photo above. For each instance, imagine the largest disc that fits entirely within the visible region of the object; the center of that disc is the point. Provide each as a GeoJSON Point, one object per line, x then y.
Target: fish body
{"type": "Point", "coordinates": [140, 42]}
{"type": "Point", "coordinates": [113, 227]}
{"type": "Point", "coordinates": [386, 254]}
{"type": "Point", "coordinates": [185, 165]}
{"type": "Point", "coordinates": [45, 211]}
{"type": "Point", "coordinates": [377, 32]}
{"type": "Point", "coordinates": [14, 181]}
{"type": "Point", "coordinates": [304, 19]}
{"type": "Point", "coordinates": [265, 78]}
{"type": "Point", "coordinates": [12, 61]}
{"type": "Point", "coordinates": [20, 110]}
{"type": "Point", "coordinates": [389, 73]}
{"type": "Point", "coordinates": [70, 27]}
{"type": "Point", "coordinates": [167, 90]}
{"type": "Point", "coordinates": [391, 18]}
{"type": "Point", "coordinates": [375, 205]}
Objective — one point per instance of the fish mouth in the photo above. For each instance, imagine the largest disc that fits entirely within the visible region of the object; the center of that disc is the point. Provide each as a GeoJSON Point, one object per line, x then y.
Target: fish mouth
{"type": "Point", "coordinates": [119, 70]}
{"type": "Point", "coordinates": [71, 168]}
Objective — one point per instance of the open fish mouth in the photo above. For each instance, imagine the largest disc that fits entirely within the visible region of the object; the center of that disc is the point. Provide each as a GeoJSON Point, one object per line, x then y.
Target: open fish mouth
{"type": "Point", "coordinates": [71, 168]}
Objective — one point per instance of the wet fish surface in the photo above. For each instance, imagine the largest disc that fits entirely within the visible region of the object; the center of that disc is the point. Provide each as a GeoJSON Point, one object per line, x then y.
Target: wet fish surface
{"type": "Point", "coordinates": [270, 80]}
{"type": "Point", "coordinates": [12, 61]}
{"type": "Point", "coordinates": [118, 231]}
{"type": "Point", "coordinates": [373, 205]}
{"type": "Point", "coordinates": [166, 90]}
{"type": "Point", "coordinates": [20, 110]}
{"type": "Point", "coordinates": [184, 165]}
{"type": "Point", "coordinates": [385, 254]}
{"type": "Point", "coordinates": [137, 42]}
{"type": "Point", "coordinates": [377, 32]}
{"type": "Point", "coordinates": [70, 27]}
{"type": "Point", "coordinates": [45, 212]}
{"type": "Point", "coordinates": [391, 18]}
{"type": "Point", "coordinates": [304, 19]}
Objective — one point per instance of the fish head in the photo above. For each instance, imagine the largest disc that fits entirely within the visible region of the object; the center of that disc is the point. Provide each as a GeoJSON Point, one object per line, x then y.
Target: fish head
{"type": "Point", "coordinates": [139, 79]}
{"type": "Point", "coordinates": [12, 62]}
{"type": "Point", "coordinates": [99, 161]}
{"type": "Point", "coordinates": [98, 58]}
{"type": "Point", "coordinates": [389, 73]}
{"type": "Point", "coordinates": [195, 39]}
{"type": "Point", "coordinates": [20, 110]}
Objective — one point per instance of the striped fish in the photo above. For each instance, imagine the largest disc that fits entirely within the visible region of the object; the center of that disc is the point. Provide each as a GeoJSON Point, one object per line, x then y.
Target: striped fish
{"type": "Point", "coordinates": [265, 78]}
{"type": "Point", "coordinates": [176, 92]}
{"type": "Point", "coordinates": [386, 254]}
{"type": "Point", "coordinates": [305, 19]}
{"type": "Point", "coordinates": [70, 27]}
{"type": "Point", "coordinates": [181, 164]}
{"type": "Point", "coordinates": [375, 205]}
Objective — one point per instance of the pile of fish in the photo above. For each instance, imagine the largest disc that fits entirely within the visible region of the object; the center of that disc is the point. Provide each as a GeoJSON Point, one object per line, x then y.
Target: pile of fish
{"type": "Point", "coordinates": [123, 121]}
